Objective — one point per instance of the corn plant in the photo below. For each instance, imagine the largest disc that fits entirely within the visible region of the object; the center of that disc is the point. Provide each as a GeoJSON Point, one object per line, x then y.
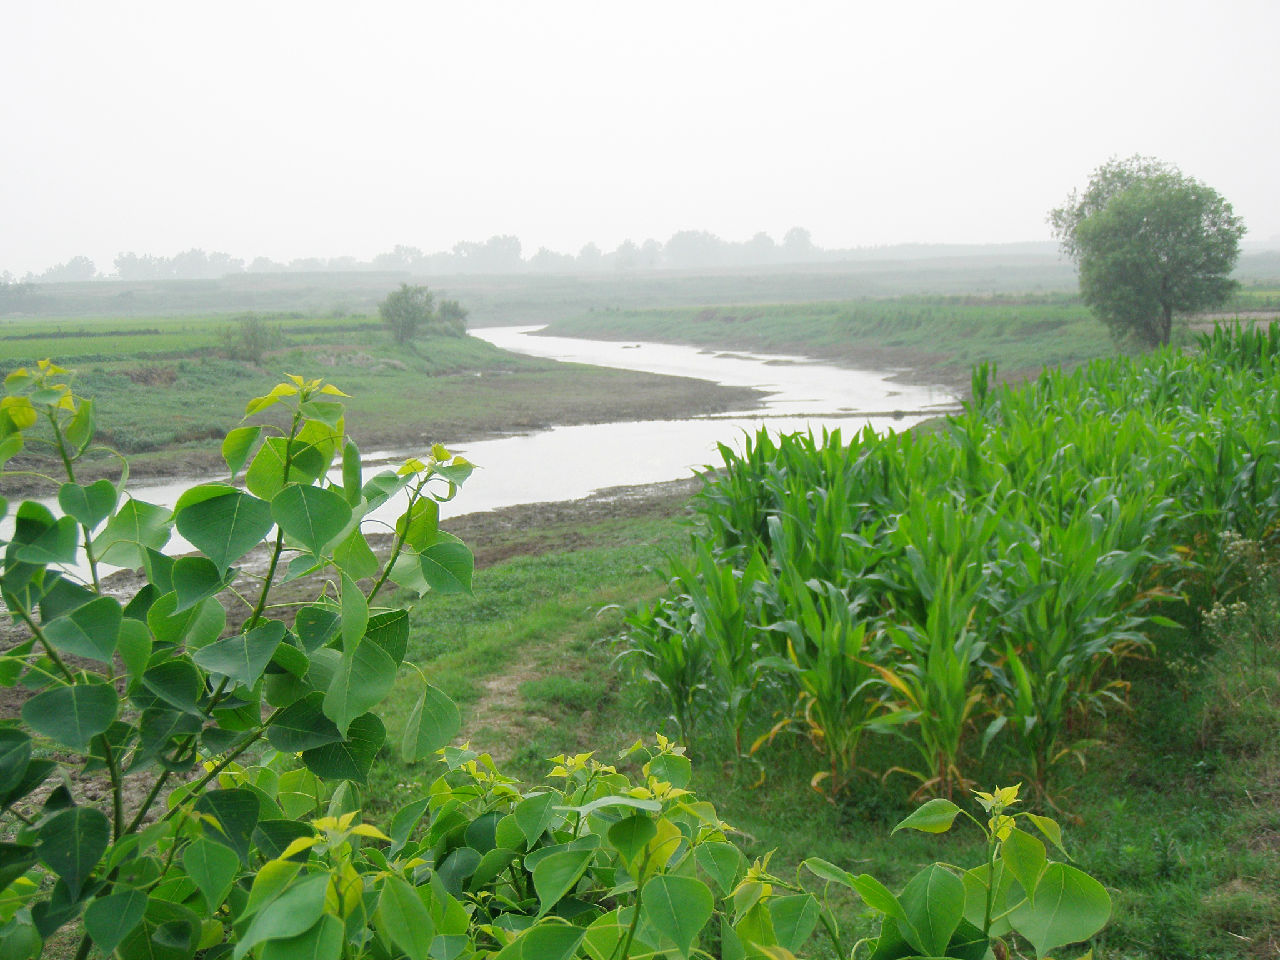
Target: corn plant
{"type": "Point", "coordinates": [833, 667]}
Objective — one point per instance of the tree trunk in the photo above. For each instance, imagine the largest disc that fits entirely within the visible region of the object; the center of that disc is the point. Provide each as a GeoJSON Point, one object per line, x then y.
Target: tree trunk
{"type": "Point", "coordinates": [1166, 323]}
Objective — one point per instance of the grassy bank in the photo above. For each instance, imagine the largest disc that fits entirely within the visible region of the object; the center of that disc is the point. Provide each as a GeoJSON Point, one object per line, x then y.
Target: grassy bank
{"type": "Point", "coordinates": [942, 336]}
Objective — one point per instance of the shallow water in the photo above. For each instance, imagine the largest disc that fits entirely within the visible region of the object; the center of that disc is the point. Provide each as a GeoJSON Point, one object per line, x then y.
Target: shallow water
{"type": "Point", "coordinates": [566, 463]}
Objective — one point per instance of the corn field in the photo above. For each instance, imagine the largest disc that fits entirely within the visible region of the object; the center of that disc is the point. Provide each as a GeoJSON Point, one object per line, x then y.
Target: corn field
{"type": "Point", "coordinates": [970, 589]}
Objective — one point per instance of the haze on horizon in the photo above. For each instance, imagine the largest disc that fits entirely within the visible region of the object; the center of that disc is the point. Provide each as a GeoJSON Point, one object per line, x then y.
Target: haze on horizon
{"type": "Point", "coordinates": [321, 129]}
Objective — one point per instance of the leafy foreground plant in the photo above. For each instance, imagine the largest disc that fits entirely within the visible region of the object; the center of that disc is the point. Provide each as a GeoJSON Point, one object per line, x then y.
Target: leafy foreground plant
{"type": "Point", "coordinates": [948, 911]}
{"type": "Point", "coordinates": [152, 692]}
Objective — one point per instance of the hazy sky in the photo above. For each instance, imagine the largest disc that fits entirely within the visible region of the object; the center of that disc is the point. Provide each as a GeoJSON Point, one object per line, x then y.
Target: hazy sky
{"type": "Point", "coordinates": [323, 129]}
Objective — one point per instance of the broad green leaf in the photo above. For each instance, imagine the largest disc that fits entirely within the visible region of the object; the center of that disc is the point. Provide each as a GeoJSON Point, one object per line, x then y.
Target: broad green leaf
{"type": "Point", "coordinates": [278, 393]}
{"type": "Point", "coordinates": [316, 626]}
{"type": "Point", "coordinates": [169, 931]}
{"type": "Point", "coordinates": [110, 919]}
{"type": "Point", "coordinates": [535, 814]}
{"type": "Point", "coordinates": [354, 614]}
{"type": "Point", "coordinates": [136, 527]}
{"type": "Point", "coordinates": [302, 726]}
{"type": "Point", "coordinates": [433, 722]}
{"type": "Point", "coordinates": [310, 516]}
{"type": "Point", "coordinates": [354, 557]}
{"type": "Point", "coordinates": [420, 524]}
{"type": "Point", "coordinates": [90, 504]}
{"type": "Point", "coordinates": [549, 941]}
{"type": "Point", "coordinates": [406, 572]}
{"type": "Point", "coordinates": [557, 874]}
{"type": "Point", "coordinates": [351, 758]}
{"type": "Point", "coordinates": [1070, 907]}
{"type": "Point", "coordinates": [268, 883]}
{"type": "Point", "coordinates": [194, 579]}
{"type": "Point", "coordinates": [1051, 830]}
{"type": "Point", "coordinates": [291, 914]}
{"type": "Point", "coordinates": [405, 819]}
{"type": "Point", "coordinates": [236, 447]}
{"type": "Point", "coordinates": [177, 682]}
{"type": "Point", "coordinates": [134, 646]}
{"type": "Point", "coordinates": [159, 726]}
{"type": "Point", "coordinates": [222, 522]}
{"type": "Point", "coordinates": [213, 867]}
{"type": "Point", "coordinates": [197, 625]}
{"type": "Point", "coordinates": [977, 886]}
{"type": "Point", "coordinates": [601, 803]}
{"type": "Point", "coordinates": [273, 837]}
{"type": "Point", "coordinates": [352, 471]}
{"type": "Point", "coordinates": [672, 769]}
{"type": "Point", "coordinates": [447, 567]}
{"type": "Point", "coordinates": [62, 596]}
{"type": "Point", "coordinates": [290, 657]}
{"type": "Point", "coordinates": [631, 835]}
{"type": "Point", "coordinates": [242, 658]}
{"type": "Point", "coordinates": [381, 487]}
{"type": "Point", "coordinates": [936, 816]}
{"type": "Point", "coordinates": [79, 429]}
{"type": "Point", "coordinates": [404, 918]}
{"type": "Point", "coordinates": [326, 411]}
{"type": "Point", "coordinates": [877, 896]}
{"type": "Point", "coordinates": [1025, 857]}
{"type": "Point", "coordinates": [266, 475]}
{"type": "Point", "coordinates": [933, 902]}
{"type": "Point", "coordinates": [72, 716]}
{"type": "Point", "coordinates": [390, 631]}
{"type": "Point", "coordinates": [322, 942]}
{"type": "Point", "coordinates": [15, 754]}
{"type": "Point", "coordinates": [235, 813]}
{"type": "Point", "coordinates": [57, 543]}
{"type": "Point", "coordinates": [830, 872]}
{"type": "Point", "coordinates": [362, 681]}
{"type": "Point", "coordinates": [723, 861]}
{"type": "Point", "coordinates": [794, 919]}
{"type": "Point", "coordinates": [72, 842]}
{"type": "Point", "coordinates": [604, 937]}
{"type": "Point", "coordinates": [323, 438]}
{"type": "Point", "coordinates": [36, 772]}
{"type": "Point", "coordinates": [678, 908]}
{"type": "Point", "coordinates": [90, 631]}
{"type": "Point", "coordinates": [458, 867]}
{"type": "Point", "coordinates": [10, 447]}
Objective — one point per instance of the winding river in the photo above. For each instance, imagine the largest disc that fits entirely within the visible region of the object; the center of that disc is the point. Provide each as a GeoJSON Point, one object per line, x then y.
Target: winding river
{"type": "Point", "coordinates": [566, 463]}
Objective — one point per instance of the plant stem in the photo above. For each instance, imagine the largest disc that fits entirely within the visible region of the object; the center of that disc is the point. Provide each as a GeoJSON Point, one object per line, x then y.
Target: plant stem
{"type": "Point", "coordinates": [44, 641]}
{"type": "Point", "coordinates": [150, 799]}
{"type": "Point", "coordinates": [71, 477]}
{"type": "Point", "coordinates": [399, 544]}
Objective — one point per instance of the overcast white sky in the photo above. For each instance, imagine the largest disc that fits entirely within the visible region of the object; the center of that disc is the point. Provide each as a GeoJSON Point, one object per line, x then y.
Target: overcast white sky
{"type": "Point", "coordinates": [324, 129]}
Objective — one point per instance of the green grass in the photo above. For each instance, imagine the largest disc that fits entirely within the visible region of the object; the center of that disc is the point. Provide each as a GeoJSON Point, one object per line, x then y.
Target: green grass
{"type": "Point", "coordinates": [951, 334]}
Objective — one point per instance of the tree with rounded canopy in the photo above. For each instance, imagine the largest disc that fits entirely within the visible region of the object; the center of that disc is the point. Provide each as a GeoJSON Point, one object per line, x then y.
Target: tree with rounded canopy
{"type": "Point", "coordinates": [1149, 242]}
{"type": "Point", "coordinates": [411, 311]}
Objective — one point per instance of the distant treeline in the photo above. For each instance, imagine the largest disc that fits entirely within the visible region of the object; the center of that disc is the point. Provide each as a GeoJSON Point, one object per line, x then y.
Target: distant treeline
{"type": "Point", "coordinates": [685, 250]}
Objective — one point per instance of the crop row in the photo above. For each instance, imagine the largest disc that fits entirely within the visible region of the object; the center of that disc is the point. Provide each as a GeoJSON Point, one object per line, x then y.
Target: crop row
{"type": "Point", "coordinates": [973, 586]}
